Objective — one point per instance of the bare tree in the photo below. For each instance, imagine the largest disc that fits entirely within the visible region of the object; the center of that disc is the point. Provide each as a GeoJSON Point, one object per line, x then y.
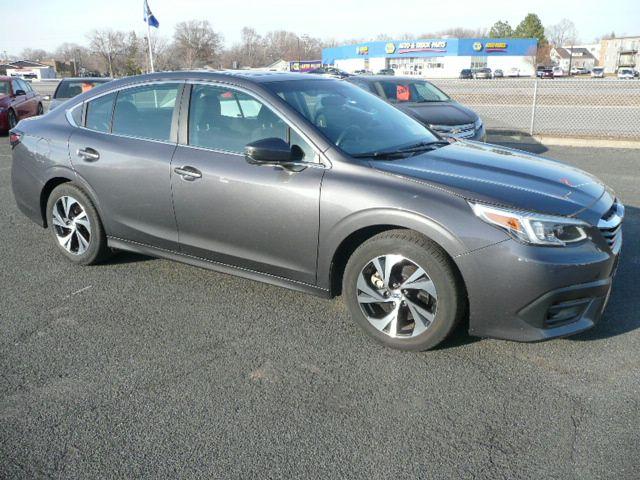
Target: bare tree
{"type": "Point", "coordinates": [109, 45]}
{"type": "Point", "coordinates": [36, 54]}
{"type": "Point", "coordinates": [562, 33]}
{"type": "Point", "coordinates": [197, 43]}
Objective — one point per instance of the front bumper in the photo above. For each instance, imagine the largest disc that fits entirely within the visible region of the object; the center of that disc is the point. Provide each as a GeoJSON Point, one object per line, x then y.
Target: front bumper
{"type": "Point", "coordinates": [526, 293]}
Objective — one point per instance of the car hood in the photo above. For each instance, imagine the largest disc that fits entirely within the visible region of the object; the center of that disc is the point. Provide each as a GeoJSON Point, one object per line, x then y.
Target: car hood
{"type": "Point", "coordinates": [439, 113]}
{"type": "Point", "coordinates": [504, 176]}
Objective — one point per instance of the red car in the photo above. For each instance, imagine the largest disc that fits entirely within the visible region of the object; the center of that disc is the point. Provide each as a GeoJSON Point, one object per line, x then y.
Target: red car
{"type": "Point", "coordinates": [17, 101]}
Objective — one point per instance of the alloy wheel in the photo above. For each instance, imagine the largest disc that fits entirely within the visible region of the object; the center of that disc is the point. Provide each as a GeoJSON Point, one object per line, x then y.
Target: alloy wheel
{"type": "Point", "coordinates": [72, 225]}
{"type": "Point", "coordinates": [397, 296]}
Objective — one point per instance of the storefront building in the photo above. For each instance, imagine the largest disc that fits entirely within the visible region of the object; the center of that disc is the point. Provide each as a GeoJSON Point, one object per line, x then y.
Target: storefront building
{"type": "Point", "coordinates": [436, 58]}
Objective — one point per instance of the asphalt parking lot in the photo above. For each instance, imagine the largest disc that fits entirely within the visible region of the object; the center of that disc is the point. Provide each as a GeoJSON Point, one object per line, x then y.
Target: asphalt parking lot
{"type": "Point", "coordinates": [143, 368]}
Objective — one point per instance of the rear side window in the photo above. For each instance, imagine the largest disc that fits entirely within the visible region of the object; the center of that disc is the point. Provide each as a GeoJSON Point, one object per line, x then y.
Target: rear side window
{"type": "Point", "coordinates": [145, 112]}
{"type": "Point", "coordinates": [72, 88]}
{"type": "Point", "coordinates": [98, 116]}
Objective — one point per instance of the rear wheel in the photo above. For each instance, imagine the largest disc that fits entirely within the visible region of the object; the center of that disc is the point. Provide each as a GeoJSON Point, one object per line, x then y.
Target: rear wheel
{"type": "Point", "coordinates": [40, 109]}
{"type": "Point", "coordinates": [403, 290]}
{"type": "Point", "coordinates": [76, 226]}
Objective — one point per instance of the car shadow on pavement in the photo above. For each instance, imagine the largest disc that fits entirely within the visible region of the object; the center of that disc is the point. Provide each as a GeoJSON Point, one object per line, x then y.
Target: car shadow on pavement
{"type": "Point", "coordinates": [622, 313]}
{"type": "Point", "coordinates": [517, 140]}
{"type": "Point", "coordinates": [120, 257]}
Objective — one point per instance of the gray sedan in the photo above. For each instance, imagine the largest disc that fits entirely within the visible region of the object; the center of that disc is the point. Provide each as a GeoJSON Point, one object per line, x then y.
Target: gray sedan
{"type": "Point", "coordinates": [313, 184]}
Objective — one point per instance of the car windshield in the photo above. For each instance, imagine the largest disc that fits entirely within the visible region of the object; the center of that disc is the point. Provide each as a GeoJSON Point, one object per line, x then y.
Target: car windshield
{"type": "Point", "coordinates": [72, 88]}
{"type": "Point", "coordinates": [352, 119]}
{"type": "Point", "coordinates": [412, 91]}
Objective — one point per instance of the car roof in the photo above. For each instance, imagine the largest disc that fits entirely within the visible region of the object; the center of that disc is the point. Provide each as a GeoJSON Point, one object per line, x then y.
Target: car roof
{"type": "Point", "coordinates": [86, 79]}
{"type": "Point", "coordinates": [387, 78]}
{"type": "Point", "coordinates": [244, 76]}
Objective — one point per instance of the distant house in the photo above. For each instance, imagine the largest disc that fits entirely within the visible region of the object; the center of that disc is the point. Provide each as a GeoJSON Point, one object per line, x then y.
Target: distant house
{"type": "Point", "coordinates": [578, 57]}
{"type": "Point", "coordinates": [29, 69]}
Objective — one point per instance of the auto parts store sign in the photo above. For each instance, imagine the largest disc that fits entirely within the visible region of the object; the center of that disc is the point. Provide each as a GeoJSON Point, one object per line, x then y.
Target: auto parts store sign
{"type": "Point", "coordinates": [438, 46]}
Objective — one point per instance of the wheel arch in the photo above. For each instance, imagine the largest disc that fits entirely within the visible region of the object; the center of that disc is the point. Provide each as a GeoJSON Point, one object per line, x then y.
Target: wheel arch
{"type": "Point", "coordinates": [58, 177]}
{"type": "Point", "coordinates": [352, 232]}
{"type": "Point", "coordinates": [48, 187]}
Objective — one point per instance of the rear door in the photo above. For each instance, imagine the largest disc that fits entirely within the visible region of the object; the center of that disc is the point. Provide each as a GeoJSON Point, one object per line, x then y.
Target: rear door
{"type": "Point", "coordinates": [124, 153]}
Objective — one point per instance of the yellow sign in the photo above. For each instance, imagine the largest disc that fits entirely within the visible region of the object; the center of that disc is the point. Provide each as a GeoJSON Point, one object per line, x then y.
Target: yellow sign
{"type": "Point", "coordinates": [390, 48]}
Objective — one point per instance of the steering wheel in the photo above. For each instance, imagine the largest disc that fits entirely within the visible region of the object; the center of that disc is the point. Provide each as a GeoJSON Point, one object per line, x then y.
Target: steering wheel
{"type": "Point", "coordinates": [349, 131]}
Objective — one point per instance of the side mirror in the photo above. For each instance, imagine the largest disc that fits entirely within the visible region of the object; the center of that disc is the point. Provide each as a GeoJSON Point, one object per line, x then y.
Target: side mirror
{"type": "Point", "coordinates": [269, 151]}
{"type": "Point", "coordinates": [20, 92]}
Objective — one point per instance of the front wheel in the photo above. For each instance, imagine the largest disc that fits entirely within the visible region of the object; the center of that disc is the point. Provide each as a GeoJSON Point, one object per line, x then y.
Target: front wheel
{"type": "Point", "coordinates": [13, 120]}
{"type": "Point", "coordinates": [40, 110]}
{"type": "Point", "coordinates": [403, 290]}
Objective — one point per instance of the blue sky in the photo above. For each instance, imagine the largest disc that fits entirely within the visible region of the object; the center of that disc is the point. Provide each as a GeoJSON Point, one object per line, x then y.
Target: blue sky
{"type": "Point", "coordinates": [51, 22]}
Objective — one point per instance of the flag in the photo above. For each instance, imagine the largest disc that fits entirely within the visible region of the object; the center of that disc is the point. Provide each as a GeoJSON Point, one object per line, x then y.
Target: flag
{"type": "Point", "coordinates": [148, 16]}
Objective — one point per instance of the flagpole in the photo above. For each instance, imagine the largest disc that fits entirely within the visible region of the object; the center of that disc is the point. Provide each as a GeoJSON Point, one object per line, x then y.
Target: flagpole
{"type": "Point", "coordinates": [149, 41]}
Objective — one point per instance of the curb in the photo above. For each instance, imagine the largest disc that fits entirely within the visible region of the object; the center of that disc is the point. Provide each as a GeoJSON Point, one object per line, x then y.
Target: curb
{"type": "Point", "coordinates": [561, 141]}
{"type": "Point", "coordinates": [587, 142]}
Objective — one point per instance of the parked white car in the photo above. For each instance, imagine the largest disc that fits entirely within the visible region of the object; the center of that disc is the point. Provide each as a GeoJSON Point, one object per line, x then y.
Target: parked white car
{"type": "Point", "coordinates": [558, 72]}
{"type": "Point", "coordinates": [514, 72]}
{"type": "Point", "coordinates": [626, 73]}
{"type": "Point", "coordinates": [597, 72]}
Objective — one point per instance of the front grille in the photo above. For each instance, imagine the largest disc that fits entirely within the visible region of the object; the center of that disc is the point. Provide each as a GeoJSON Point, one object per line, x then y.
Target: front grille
{"type": "Point", "coordinates": [610, 225]}
{"type": "Point", "coordinates": [458, 131]}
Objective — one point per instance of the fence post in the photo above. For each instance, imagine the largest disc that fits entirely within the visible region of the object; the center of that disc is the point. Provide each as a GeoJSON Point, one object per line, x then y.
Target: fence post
{"type": "Point", "coordinates": [533, 106]}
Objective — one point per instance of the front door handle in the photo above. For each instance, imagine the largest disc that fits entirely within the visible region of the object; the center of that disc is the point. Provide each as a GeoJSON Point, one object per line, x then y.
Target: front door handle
{"type": "Point", "coordinates": [188, 173]}
{"type": "Point", "coordinates": [88, 154]}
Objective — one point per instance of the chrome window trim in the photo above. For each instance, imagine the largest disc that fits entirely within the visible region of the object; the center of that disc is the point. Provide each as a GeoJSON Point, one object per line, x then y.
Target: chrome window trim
{"type": "Point", "coordinates": [69, 114]}
{"type": "Point", "coordinates": [320, 158]}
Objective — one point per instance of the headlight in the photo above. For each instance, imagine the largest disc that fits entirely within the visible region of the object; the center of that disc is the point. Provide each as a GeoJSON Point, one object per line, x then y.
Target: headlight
{"type": "Point", "coordinates": [478, 124]}
{"type": "Point", "coordinates": [532, 227]}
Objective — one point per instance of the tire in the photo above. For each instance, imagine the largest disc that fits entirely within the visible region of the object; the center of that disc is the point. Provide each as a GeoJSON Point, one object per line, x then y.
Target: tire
{"type": "Point", "coordinates": [40, 110]}
{"type": "Point", "coordinates": [438, 296]}
{"type": "Point", "coordinates": [12, 119]}
{"type": "Point", "coordinates": [78, 234]}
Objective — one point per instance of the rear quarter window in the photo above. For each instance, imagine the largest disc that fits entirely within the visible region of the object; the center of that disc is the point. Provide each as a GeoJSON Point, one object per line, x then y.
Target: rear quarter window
{"type": "Point", "coordinates": [98, 116]}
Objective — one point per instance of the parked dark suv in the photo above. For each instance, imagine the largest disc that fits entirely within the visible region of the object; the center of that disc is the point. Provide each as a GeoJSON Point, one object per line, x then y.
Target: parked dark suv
{"type": "Point", "coordinates": [311, 183]}
{"type": "Point", "coordinates": [426, 103]}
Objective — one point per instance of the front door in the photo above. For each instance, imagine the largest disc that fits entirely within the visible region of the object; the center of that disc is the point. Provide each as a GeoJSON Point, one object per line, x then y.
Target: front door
{"type": "Point", "coordinates": [125, 156]}
{"type": "Point", "coordinates": [260, 218]}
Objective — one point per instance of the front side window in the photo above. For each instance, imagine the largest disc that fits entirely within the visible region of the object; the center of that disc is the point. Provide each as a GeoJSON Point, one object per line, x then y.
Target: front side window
{"type": "Point", "coordinates": [26, 86]}
{"type": "Point", "coordinates": [225, 119]}
{"type": "Point", "coordinates": [350, 118]}
{"type": "Point", "coordinates": [98, 115]}
{"type": "Point", "coordinates": [145, 112]}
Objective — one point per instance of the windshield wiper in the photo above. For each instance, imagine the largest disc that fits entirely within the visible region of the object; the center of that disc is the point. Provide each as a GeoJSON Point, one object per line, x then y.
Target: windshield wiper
{"type": "Point", "coordinates": [416, 148]}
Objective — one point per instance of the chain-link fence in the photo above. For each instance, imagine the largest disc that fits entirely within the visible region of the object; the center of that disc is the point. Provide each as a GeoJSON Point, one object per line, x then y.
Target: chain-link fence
{"type": "Point", "coordinates": [585, 107]}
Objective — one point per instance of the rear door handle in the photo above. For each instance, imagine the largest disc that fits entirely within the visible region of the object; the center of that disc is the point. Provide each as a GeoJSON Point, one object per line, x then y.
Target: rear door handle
{"type": "Point", "coordinates": [188, 173]}
{"type": "Point", "coordinates": [88, 154]}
